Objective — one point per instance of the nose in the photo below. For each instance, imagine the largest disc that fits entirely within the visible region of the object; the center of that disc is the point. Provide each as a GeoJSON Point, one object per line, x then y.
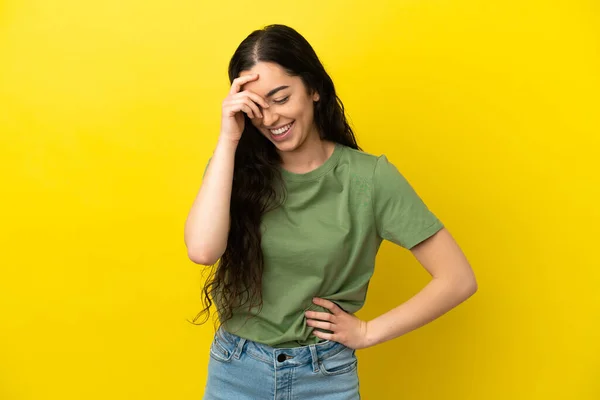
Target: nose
{"type": "Point", "coordinates": [269, 117]}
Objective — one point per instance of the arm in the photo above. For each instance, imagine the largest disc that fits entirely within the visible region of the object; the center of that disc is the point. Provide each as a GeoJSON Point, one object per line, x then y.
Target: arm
{"type": "Point", "coordinates": [403, 218]}
{"type": "Point", "coordinates": [453, 282]}
{"type": "Point", "coordinates": [208, 222]}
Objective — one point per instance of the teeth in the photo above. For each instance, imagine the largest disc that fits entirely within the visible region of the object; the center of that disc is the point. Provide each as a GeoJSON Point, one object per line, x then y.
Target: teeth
{"type": "Point", "coordinates": [281, 130]}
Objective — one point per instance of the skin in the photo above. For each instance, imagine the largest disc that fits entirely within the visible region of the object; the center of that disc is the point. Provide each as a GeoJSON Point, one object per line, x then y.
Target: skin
{"type": "Point", "coordinates": [208, 223]}
{"type": "Point", "coordinates": [272, 99]}
{"type": "Point", "coordinates": [453, 280]}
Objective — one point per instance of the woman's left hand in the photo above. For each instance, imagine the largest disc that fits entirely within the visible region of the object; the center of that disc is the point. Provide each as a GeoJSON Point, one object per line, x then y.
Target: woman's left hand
{"type": "Point", "coordinates": [347, 329]}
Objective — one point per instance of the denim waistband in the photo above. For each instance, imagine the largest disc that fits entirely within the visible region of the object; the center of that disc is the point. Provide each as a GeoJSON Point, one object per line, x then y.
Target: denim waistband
{"type": "Point", "coordinates": [280, 357]}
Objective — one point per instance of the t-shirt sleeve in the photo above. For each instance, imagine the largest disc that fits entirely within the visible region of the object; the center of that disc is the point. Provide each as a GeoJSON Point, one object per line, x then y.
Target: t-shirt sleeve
{"type": "Point", "coordinates": [401, 216]}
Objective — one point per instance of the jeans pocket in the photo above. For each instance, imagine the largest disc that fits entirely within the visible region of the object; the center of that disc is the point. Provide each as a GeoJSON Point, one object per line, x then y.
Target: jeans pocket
{"type": "Point", "coordinates": [340, 363]}
{"type": "Point", "coordinates": [221, 349]}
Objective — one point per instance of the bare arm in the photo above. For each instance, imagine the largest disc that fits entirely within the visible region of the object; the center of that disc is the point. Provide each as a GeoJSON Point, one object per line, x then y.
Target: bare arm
{"type": "Point", "coordinates": [208, 222]}
{"type": "Point", "coordinates": [453, 282]}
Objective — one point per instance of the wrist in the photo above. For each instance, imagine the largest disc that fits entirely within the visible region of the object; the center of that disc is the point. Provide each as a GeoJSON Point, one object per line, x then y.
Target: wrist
{"type": "Point", "coordinates": [371, 338]}
{"type": "Point", "coordinates": [227, 144]}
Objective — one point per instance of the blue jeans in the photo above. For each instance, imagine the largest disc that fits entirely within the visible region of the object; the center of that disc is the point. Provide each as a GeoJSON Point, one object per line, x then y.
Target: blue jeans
{"type": "Point", "coordinates": [241, 369]}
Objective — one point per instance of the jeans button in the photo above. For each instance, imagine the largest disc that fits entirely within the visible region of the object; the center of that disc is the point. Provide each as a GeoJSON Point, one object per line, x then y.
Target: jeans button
{"type": "Point", "coordinates": [281, 357]}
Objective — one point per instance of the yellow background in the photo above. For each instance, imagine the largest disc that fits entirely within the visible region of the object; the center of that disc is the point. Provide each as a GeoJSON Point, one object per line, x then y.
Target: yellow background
{"type": "Point", "coordinates": [109, 111]}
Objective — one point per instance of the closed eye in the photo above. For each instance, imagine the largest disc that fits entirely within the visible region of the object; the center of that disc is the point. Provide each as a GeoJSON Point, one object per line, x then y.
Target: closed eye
{"type": "Point", "coordinates": [281, 101]}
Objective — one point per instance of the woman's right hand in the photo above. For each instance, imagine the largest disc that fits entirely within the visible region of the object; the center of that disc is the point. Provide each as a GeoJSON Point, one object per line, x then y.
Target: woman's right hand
{"type": "Point", "coordinates": [232, 119]}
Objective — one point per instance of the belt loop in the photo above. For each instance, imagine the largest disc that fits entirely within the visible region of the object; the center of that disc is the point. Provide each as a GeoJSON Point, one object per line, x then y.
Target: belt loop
{"type": "Point", "coordinates": [238, 348]}
{"type": "Point", "coordinates": [314, 356]}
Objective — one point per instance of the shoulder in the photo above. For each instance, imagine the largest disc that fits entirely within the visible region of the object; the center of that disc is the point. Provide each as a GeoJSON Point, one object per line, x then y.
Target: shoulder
{"type": "Point", "coordinates": [360, 163]}
{"type": "Point", "coordinates": [366, 165]}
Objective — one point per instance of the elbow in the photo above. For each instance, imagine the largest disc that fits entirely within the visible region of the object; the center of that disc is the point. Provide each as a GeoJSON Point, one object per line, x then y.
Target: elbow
{"type": "Point", "coordinates": [469, 286]}
{"type": "Point", "coordinates": [463, 286]}
{"type": "Point", "coordinates": [472, 288]}
{"type": "Point", "coordinates": [202, 257]}
{"type": "Point", "coordinates": [202, 250]}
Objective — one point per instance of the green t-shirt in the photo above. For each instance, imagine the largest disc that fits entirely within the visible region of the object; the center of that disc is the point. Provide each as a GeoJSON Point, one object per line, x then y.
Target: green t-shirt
{"type": "Point", "coordinates": [323, 240]}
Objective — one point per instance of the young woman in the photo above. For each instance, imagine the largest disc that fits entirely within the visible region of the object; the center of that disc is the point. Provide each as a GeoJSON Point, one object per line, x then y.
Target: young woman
{"type": "Point", "coordinates": [296, 213]}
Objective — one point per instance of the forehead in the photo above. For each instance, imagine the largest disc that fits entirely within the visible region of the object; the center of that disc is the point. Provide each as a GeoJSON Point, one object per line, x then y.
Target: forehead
{"type": "Point", "coordinates": [270, 76]}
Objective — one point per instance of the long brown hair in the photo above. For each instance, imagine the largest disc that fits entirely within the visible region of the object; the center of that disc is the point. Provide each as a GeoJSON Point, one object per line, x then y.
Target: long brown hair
{"type": "Point", "coordinates": [237, 280]}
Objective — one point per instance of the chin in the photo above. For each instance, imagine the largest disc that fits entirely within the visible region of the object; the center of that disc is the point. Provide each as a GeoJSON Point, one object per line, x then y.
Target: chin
{"type": "Point", "coordinates": [287, 146]}
{"type": "Point", "coordinates": [291, 144]}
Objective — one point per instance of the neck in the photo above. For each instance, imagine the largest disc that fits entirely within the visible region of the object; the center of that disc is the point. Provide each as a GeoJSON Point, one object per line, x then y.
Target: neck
{"type": "Point", "coordinates": [310, 155]}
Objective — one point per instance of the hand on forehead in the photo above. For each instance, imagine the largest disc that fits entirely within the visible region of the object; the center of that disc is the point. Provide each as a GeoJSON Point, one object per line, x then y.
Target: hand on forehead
{"type": "Point", "coordinates": [270, 76]}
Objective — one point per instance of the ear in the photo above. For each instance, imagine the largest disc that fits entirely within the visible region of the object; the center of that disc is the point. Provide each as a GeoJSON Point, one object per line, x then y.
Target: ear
{"type": "Point", "coordinates": [316, 96]}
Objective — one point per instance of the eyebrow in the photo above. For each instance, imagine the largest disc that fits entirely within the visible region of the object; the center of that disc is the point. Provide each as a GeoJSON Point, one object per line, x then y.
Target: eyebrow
{"type": "Point", "coordinates": [277, 89]}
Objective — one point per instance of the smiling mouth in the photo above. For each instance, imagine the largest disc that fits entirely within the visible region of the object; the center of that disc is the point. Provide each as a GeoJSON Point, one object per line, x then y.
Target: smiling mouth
{"type": "Point", "coordinates": [281, 131]}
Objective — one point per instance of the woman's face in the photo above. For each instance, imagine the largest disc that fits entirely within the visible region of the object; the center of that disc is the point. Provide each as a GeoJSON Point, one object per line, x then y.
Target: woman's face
{"type": "Point", "coordinates": [289, 120]}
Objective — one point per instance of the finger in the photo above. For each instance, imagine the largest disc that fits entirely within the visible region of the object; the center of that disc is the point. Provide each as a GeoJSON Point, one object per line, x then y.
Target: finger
{"type": "Point", "coordinates": [237, 83]}
{"type": "Point", "coordinates": [323, 335]}
{"type": "Point", "coordinates": [243, 107]}
{"type": "Point", "coordinates": [240, 105]}
{"type": "Point", "coordinates": [251, 105]}
{"type": "Point", "coordinates": [323, 316]}
{"type": "Point", "coordinates": [255, 97]}
{"type": "Point", "coordinates": [328, 326]}
{"type": "Point", "coordinates": [331, 306]}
